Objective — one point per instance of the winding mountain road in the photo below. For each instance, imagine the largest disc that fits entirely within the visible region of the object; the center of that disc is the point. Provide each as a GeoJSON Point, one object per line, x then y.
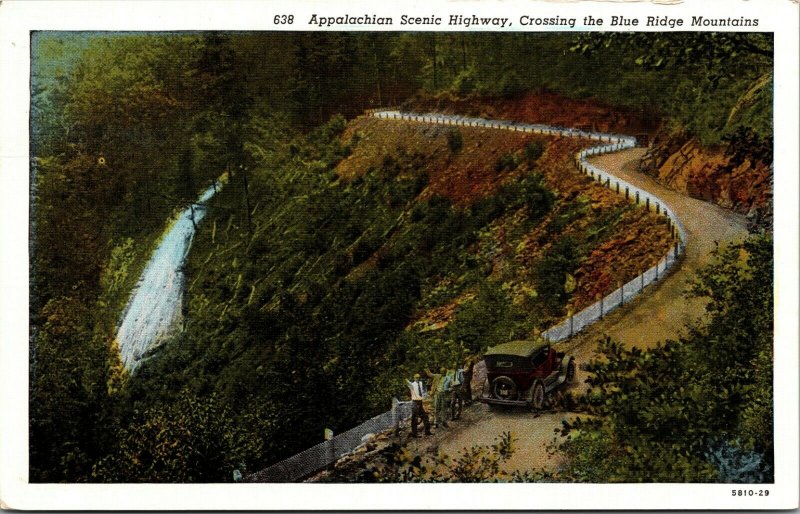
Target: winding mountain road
{"type": "Point", "coordinates": [661, 312]}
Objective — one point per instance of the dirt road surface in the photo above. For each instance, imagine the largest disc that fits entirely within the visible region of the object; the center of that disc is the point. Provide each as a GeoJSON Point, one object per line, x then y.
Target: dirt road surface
{"type": "Point", "coordinates": [660, 313]}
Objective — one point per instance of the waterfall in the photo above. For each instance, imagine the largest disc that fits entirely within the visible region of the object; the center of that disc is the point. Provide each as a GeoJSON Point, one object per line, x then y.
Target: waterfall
{"type": "Point", "coordinates": [153, 312]}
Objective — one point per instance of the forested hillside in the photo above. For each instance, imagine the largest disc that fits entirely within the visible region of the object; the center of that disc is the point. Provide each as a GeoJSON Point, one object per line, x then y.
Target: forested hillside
{"type": "Point", "coordinates": [343, 255]}
{"type": "Point", "coordinates": [350, 278]}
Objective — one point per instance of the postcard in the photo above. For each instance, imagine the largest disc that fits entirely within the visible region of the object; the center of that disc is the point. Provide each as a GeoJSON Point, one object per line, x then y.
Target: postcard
{"type": "Point", "coordinates": [459, 256]}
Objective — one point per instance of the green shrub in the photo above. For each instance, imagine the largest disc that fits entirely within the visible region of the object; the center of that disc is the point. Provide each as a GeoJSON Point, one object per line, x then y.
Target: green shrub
{"type": "Point", "coordinates": [490, 319]}
{"type": "Point", "coordinates": [455, 141]}
{"type": "Point", "coordinates": [681, 411]}
{"type": "Point", "coordinates": [533, 151]}
{"type": "Point", "coordinates": [465, 82]}
{"type": "Point", "coordinates": [511, 85]}
{"type": "Point", "coordinates": [529, 192]}
{"type": "Point", "coordinates": [365, 248]}
{"type": "Point", "coordinates": [507, 162]}
{"type": "Point", "coordinates": [551, 270]}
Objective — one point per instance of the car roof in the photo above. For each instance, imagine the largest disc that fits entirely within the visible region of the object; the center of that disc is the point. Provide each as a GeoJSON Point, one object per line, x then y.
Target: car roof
{"type": "Point", "coordinates": [520, 348]}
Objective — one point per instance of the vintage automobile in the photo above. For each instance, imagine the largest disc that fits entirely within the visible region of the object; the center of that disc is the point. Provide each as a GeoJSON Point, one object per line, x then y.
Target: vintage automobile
{"type": "Point", "coordinates": [521, 373]}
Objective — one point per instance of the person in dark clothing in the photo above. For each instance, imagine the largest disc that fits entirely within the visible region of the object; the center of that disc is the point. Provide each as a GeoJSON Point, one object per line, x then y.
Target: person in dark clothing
{"type": "Point", "coordinates": [457, 398]}
{"type": "Point", "coordinates": [466, 382]}
{"type": "Point", "coordinates": [417, 389]}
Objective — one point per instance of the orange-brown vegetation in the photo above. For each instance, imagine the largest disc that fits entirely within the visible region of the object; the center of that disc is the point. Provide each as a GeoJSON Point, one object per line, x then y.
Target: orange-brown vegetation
{"type": "Point", "coordinates": [639, 243]}
{"type": "Point", "coordinates": [462, 177]}
{"type": "Point", "coordinates": [439, 317]}
{"type": "Point", "coordinates": [633, 240]}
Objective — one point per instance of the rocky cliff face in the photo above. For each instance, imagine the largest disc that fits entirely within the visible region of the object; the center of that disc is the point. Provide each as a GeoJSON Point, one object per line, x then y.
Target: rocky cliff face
{"type": "Point", "coordinates": [728, 176]}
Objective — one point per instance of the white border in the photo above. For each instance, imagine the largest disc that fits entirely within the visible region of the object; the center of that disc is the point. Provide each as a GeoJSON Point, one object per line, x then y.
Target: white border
{"type": "Point", "coordinates": [17, 18]}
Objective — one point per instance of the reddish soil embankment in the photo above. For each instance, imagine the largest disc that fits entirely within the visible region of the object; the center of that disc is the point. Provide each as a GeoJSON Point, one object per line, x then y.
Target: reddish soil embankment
{"type": "Point", "coordinates": [715, 174]}
{"type": "Point", "coordinates": [548, 108]}
{"type": "Point", "coordinates": [731, 179]}
{"type": "Point", "coordinates": [462, 176]}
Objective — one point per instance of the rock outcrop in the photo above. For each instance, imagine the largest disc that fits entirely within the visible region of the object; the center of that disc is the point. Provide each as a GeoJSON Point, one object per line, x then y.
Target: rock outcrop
{"type": "Point", "coordinates": [733, 180]}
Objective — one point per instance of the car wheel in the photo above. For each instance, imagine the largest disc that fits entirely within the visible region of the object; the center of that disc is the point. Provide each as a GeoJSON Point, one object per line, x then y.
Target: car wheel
{"type": "Point", "coordinates": [503, 388]}
{"type": "Point", "coordinates": [571, 371]}
{"type": "Point", "coordinates": [537, 401]}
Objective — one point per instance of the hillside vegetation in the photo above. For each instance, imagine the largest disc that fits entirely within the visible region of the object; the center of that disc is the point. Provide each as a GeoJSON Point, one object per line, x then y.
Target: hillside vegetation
{"type": "Point", "coordinates": [364, 264]}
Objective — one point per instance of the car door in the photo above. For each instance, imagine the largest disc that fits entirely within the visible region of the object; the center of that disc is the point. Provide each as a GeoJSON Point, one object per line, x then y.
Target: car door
{"type": "Point", "coordinates": [549, 367]}
{"type": "Point", "coordinates": [541, 364]}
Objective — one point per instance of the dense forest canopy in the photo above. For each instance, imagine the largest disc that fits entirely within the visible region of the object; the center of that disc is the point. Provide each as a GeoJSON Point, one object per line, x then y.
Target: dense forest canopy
{"type": "Point", "coordinates": [129, 127]}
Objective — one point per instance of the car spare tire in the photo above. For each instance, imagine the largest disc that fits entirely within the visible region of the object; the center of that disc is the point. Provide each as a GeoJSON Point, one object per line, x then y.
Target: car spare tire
{"type": "Point", "coordinates": [537, 396]}
{"type": "Point", "coordinates": [571, 371]}
{"type": "Point", "coordinates": [503, 388]}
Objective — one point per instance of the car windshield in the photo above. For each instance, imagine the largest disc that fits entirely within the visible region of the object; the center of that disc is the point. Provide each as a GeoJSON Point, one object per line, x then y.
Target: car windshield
{"type": "Point", "coordinates": [539, 359]}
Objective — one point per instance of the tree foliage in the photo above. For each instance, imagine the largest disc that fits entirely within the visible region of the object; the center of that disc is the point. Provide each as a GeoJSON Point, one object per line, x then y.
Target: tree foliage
{"type": "Point", "coordinates": [693, 410]}
{"type": "Point", "coordinates": [725, 79]}
{"type": "Point", "coordinates": [477, 464]}
{"type": "Point", "coordinates": [190, 440]}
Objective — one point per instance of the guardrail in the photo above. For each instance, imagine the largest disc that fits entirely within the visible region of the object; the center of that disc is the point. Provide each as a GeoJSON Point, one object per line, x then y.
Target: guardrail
{"type": "Point", "coordinates": [327, 452]}
{"type": "Point", "coordinates": [318, 456]}
{"type": "Point", "coordinates": [633, 288]}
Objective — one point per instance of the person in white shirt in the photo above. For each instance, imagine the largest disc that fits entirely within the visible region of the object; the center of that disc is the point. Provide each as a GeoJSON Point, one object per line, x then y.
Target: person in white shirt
{"type": "Point", "coordinates": [417, 389]}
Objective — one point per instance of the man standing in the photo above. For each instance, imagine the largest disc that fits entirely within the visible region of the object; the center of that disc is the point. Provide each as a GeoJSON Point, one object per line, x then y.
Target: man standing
{"type": "Point", "coordinates": [461, 390]}
{"type": "Point", "coordinates": [438, 390]}
{"type": "Point", "coordinates": [466, 382]}
{"type": "Point", "coordinates": [417, 409]}
{"type": "Point", "coordinates": [457, 395]}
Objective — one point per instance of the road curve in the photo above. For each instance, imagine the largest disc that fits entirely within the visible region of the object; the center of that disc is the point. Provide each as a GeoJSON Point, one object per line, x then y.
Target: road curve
{"type": "Point", "coordinates": [608, 143]}
{"type": "Point", "coordinates": [661, 312]}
